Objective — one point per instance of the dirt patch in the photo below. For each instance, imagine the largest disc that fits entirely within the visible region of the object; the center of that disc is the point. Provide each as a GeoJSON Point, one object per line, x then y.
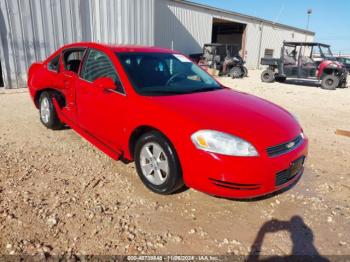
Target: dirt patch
{"type": "Point", "coordinates": [60, 195]}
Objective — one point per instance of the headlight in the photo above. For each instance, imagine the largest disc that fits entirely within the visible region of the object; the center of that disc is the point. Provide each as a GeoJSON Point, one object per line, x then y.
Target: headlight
{"type": "Point", "coordinates": [222, 143]}
{"type": "Point", "coordinates": [333, 65]}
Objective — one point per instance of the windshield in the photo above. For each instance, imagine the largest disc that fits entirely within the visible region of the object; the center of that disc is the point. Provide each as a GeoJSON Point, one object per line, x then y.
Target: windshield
{"type": "Point", "coordinates": [326, 51]}
{"type": "Point", "coordinates": [165, 74]}
{"type": "Point", "coordinates": [345, 60]}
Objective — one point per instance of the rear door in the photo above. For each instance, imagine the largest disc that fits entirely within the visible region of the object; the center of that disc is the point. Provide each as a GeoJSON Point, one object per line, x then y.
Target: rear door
{"type": "Point", "coordinates": [101, 113]}
{"type": "Point", "coordinates": [290, 61]}
{"type": "Point", "coordinates": [70, 65]}
{"type": "Point", "coordinates": [53, 69]}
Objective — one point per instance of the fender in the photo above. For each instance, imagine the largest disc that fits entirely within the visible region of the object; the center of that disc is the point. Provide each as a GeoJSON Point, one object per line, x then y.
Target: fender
{"type": "Point", "coordinates": [324, 65]}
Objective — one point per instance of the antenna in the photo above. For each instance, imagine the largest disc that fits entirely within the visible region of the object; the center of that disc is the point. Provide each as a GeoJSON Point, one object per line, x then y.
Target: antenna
{"type": "Point", "coordinates": [279, 13]}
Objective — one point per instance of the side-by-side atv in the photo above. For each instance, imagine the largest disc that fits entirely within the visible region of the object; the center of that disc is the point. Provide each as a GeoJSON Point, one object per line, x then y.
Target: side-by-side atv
{"type": "Point", "coordinates": [223, 57]}
{"type": "Point", "coordinates": [304, 60]}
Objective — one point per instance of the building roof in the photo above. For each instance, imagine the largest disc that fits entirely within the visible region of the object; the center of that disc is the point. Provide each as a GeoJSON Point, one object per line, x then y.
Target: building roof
{"type": "Point", "coordinates": [119, 48]}
{"type": "Point", "coordinates": [211, 8]}
{"type": "Point", "coordinates": [305, 44]}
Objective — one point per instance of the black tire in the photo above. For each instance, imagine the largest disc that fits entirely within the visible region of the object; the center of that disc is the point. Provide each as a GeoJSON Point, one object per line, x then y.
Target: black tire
{"type": "Point", "coordinates": [173, 180]}
{"type": "Point", "coordinates": [330, 82]}
{"type": "Point", "coordinates": [245, 71]}
{"type": "Point", "coordinates": [236, 72]}
{"type": "Point", "coordinates": [268, 76]}
{"type": "Point", "coordinates": [343, 84]}
{"type": "Point", "coordinates": [52, 121]}
{"type": "Point", "coordinates": [280, 79]}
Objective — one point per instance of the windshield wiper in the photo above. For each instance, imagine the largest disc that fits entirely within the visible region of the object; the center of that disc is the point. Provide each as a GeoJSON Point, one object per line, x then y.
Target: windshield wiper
{"type": "Point", "coordinates": [164, 92]}
{"type": "Point", "coordinates": [205, 89]}
{"type": "Point", "coordinates": [179, 92]}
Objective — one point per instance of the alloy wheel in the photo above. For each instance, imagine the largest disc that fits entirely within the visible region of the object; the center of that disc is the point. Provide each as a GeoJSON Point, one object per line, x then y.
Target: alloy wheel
{"type": "Point", "coordinates": [154, 163]}
{"type": "Point", "coordinates": [45, 110]}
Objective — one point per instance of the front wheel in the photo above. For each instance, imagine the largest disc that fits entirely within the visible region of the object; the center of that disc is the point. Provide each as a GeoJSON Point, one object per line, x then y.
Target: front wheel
{"type": "Point", "coordinates": [245, 71]}
{"type": "Point", "coordinates": [268, 76]}
{"type": "Point", "coordinates": [157, 164]}
{"type": "Point", "coordinates": [330, 82]}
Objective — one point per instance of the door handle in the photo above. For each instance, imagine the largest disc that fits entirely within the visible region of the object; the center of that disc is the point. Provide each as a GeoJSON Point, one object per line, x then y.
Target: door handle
{"type": "Point", "coordinates": [110, 90]}
{"type": "Point", "coordinates": [68, 76]}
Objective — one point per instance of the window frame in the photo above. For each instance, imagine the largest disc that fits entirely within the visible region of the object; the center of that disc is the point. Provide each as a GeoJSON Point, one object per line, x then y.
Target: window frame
{"type": "Point", "coordinates": [84, 49]}
{"type": "Point", "coordinates": [83, 63]}
{"type": "Point", "coordinates": [58, 65]}
{"type": "Point", "coordinates": [269, 52]}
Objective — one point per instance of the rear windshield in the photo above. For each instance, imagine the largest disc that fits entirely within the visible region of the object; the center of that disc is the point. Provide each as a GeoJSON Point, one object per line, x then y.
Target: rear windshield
{"type": "Point", "coordinates": [165, 74]}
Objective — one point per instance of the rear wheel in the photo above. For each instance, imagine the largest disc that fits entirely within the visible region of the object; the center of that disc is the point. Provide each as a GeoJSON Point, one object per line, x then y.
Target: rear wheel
{"type": "Point", "coordinates": [268, 76]}
{"type": "Point", "coordinates": [157, 164]}
{"type": "Point", "coordinates": [48, 115]}
{"type": "Point", "coordinates": [236, 72]}
{"type": "Point", "coordinates": [330, 82]}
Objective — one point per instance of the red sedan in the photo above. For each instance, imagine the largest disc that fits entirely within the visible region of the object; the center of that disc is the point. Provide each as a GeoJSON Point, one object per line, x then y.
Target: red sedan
{"type": "Point", "coordinates": [179, 125]}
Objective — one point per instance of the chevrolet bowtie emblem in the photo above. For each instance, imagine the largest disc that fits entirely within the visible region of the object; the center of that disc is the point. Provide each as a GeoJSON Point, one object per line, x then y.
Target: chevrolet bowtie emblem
{"type": "Point", "coordinates": [290, 145]}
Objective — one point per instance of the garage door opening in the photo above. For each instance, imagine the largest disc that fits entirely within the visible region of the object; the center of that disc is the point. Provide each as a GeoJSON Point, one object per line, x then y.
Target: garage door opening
{"type": "Point", "coordinates": [228, 32]}
{"type": "Point", "coordinates": [1, 79]}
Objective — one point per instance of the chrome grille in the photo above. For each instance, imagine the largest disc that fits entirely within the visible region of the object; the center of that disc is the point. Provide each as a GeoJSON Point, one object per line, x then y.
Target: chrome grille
{"type": "Point", "coordinates": [285, 147]}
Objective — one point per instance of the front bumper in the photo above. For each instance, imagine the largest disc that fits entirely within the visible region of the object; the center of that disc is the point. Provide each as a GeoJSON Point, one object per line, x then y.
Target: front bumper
{"type": "Point", "coordinates": [240, 177]}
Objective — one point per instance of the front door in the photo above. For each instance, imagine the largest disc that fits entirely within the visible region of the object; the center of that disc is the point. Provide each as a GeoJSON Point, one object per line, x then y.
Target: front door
{"type": "Point", "coordinates": [101, 113]}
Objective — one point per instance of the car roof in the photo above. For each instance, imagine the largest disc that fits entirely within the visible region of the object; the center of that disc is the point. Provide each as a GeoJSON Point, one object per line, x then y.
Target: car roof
{"type": "Point", "coordinates": [120, 48]}
{"type": "Point", "coordinates": [305, 44]}
{"type": "Point", "coordinates": [220, 44]}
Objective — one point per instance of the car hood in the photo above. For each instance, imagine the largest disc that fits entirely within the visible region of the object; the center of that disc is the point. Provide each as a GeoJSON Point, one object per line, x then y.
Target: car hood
{"type": "Point", "coordinates": [249, 117]}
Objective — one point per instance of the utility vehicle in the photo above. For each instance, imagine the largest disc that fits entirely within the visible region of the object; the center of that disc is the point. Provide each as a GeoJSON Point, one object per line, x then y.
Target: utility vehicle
{"type": "Point", "coordinates": [223, 57]}
{"type": "Point", "coordinates": [305, 60]}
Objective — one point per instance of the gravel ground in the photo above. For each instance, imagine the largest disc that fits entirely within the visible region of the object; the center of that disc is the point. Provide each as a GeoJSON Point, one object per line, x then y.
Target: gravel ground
{"type": "Point", "coordinates": [60, 195]}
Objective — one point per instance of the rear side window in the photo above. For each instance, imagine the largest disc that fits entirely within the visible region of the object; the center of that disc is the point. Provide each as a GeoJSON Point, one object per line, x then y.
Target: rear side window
{"type": "Point", "coordinates": [53, 65]}
{"type": "Point", "coordinates": [72, 59]}
{"type": "Point", "coordinates": [268, 53]}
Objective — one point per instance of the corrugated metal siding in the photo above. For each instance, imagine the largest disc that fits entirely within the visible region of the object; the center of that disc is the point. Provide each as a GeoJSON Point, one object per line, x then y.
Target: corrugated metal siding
{"type": "Point", "coordinates": [32, 29]}
{"type": "Point", "coordinates": [187, 27]}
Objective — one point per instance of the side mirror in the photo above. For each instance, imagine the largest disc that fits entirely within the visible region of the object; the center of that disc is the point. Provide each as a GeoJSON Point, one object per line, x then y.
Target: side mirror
{"type": "Point", "coordinates": [105, 83]}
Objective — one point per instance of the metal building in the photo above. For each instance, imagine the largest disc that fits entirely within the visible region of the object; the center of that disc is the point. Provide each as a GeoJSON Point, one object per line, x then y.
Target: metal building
{"type": "Point", "coordinates": [33, 29]}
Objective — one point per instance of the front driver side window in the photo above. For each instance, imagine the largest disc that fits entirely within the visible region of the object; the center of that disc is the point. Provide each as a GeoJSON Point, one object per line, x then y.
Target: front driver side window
{"type": "Point", "coordinates": [98, 65]}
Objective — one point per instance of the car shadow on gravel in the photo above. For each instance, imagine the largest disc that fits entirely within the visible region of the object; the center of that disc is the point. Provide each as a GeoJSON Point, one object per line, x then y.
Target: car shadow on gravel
{"type": "Point", "coordinates": [299, 82]}
{"type": "Point", "coordinates": [62, 128]}
{"type": "Point", "coordinates": [302, 238]}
